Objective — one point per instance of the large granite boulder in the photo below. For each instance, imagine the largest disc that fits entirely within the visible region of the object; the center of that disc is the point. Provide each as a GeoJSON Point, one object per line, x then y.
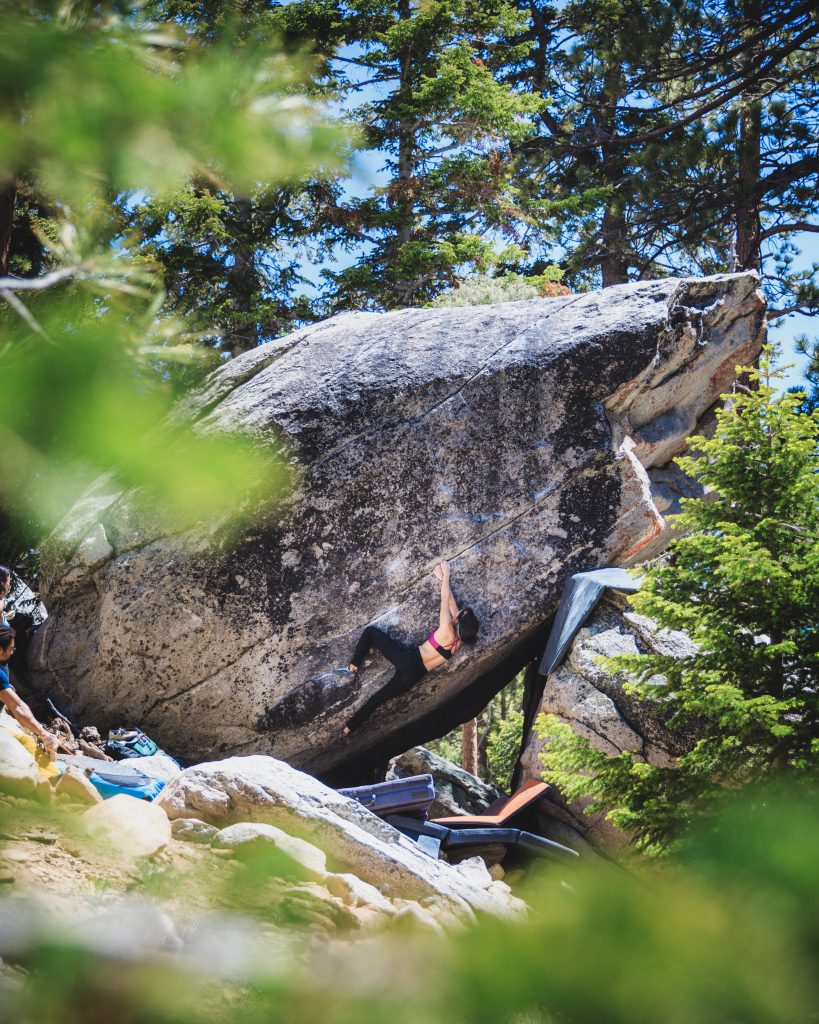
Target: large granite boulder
{"type": "Point", "coordinates": [516, 440]}
{"type": "Point", "coordinates": [595, 702]}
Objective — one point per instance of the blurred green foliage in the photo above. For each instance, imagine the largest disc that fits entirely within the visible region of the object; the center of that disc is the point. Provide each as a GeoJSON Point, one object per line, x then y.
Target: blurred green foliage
{"type": "Point", "coordinates": [742, 580]}
{"type": "Point", "coordinates": [103, 108]}
{"type": "Point", "coordinates": [730, 935]}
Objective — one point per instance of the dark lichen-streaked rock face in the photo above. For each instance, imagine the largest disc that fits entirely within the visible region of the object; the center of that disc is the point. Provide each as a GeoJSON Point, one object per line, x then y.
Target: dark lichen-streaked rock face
{"type": "Point", "coordinates": [511, 439]}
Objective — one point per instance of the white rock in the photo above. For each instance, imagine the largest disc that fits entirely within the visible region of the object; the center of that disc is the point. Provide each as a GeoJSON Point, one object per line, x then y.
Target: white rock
{"type": "Point", "coordinates": [158, 766]}
{"type": "Point", "coordinates": [503, 891]}
{"type": "Point", "coordinates": [259, 788]}
{"type": "Point", "coordinates": [250, 837]}
{"type": "Point", "coordinates": [126, 931]}
{"type": "Point", "coordinates": [357, 893]}
{"type": "Point", "coordinates": [75, 784]}
{"type": "Point", "coordinates": [134, 828]}
{"type": "Point", "coordinates": [476, 871]}
{"type": "Point", "coordinates": [409, 910]}
{"type": "Point", "coordinates": [191, 830]}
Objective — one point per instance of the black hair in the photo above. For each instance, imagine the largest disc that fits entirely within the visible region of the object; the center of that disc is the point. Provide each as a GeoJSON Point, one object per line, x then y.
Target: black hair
{"type": "Point", "coordinates": [468, 625]}
{"type": "Point", "coordinates": [7, 634]}
{"type": "Point", "coordinates": [5, 574]}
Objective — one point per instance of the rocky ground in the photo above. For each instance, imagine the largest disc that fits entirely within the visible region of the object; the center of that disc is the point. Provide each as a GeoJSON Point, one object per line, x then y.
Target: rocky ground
{"type": "Point", "coordinates": [246, 843]}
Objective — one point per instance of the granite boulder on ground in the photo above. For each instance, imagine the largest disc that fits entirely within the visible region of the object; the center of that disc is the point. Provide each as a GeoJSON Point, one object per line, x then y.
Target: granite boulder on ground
{"type": "Point", "coordinates": [517, 440]}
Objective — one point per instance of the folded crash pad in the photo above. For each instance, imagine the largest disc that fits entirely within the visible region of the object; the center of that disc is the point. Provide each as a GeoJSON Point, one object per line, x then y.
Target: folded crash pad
{"type": "Point", "coordinates": [412, 795]}
{"type": "Point", "coordinates": [501, 812]}
{"type": "Point", "coordinates": [433, 837]}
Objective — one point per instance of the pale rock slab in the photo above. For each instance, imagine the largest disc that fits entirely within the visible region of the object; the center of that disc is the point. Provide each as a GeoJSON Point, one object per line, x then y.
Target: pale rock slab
{"type": "Point", "coordinates": [259, 788]}
{"type": "Point", "coordinates": [247, 838]}
{"type": "Point", "coordinates": [476, 871]}
{"type": "Point", "coordinates": [75, 784]}
{"type": "Point", "coordinates": [191, 830]}
{"type": "Point", "coordinates": [353, 891]}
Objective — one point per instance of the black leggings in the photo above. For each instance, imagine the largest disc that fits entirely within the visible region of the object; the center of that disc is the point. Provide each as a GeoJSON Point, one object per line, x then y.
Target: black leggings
{"type": "Point", "coordinates": [409, 668]}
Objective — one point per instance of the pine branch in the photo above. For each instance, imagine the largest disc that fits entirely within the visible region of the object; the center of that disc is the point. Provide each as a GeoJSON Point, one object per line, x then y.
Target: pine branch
{"type": "Point", "coordinates": [743, 86]}
{"type": "Point", "coordinates": [806, 309]}
{"type": "Point", "coordinates": [37, 284]}
{"type": "Point", "coordinates": [788, 174]}
{"type": "Point", "coordinates": [785, 229]}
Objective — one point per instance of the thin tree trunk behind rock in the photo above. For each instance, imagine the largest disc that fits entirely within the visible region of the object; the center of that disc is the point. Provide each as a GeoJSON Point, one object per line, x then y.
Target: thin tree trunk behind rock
{"type": "Point", "coordinates": [469, 747]}
{"type": "Point", "coordinates": [7, 196]}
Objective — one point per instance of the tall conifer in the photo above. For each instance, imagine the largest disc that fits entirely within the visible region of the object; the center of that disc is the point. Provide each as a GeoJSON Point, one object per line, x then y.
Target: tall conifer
{"type": "Point", "coordinates": [743, 581]}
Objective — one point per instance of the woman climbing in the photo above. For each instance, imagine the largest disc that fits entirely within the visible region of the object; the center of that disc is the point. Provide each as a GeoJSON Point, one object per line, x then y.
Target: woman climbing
{"type": "Point", "coordinates": [412, 663]}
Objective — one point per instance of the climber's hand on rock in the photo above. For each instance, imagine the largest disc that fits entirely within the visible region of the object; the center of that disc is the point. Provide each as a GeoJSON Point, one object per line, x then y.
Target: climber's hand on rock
{"type": "Point", "coordinates": [49, 743]}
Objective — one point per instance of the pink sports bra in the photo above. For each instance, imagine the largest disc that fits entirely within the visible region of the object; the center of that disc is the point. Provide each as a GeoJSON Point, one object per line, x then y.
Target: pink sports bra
{"type": "Point", "coordinates": [445, 652]}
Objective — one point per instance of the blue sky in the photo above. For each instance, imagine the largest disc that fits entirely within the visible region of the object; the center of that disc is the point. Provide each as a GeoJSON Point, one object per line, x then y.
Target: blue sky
{"type": "Point", "coordinates": [792, 326]}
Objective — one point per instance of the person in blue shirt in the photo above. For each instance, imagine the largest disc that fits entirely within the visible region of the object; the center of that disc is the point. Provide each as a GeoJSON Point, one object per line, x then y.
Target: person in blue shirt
{"type": "Point", "coordinates": [9, 698]}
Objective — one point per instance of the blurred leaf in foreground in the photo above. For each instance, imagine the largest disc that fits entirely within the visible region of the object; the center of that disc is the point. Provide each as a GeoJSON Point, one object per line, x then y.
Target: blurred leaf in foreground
{"type": "Point", "coordinates": [727, 935]}
{"type": "Point", "coordinates": [103, 105]}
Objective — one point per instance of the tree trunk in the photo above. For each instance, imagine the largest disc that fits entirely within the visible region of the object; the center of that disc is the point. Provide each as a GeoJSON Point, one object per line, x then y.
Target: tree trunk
{"type": "Point", "coordinates": [8, 194]}
{"type": "Point", "coordinates": [244, 279]}
{"type": "Point", "coordinates": [613, 229]}
{"type": "Point", "coordinates": [613, 263]}
{"type": "Point", "coordinates": [469, 747]}
{"type": "Point", "coordinates": [748, 228]}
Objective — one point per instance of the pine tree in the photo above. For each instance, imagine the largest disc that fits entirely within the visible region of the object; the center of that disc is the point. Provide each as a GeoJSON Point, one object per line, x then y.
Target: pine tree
{"type": "Point", "coordinates": [743, 581]}
{"type": "Point", "coordinates": [435, 109]}
{"type": "Point", "coordinates": [678, 137]}
{"type": "Point", "coordinates": [232, 261]}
